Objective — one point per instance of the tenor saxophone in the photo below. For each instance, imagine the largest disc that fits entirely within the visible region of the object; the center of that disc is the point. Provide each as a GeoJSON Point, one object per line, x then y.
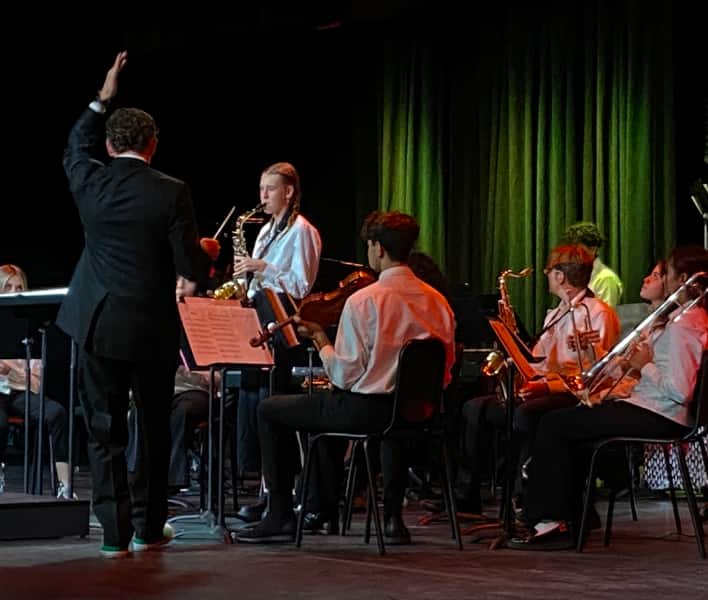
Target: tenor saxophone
{"type": "Point", "coordinates": [237, 287]}
{"type": "Point", "coordinates": [495, 361]}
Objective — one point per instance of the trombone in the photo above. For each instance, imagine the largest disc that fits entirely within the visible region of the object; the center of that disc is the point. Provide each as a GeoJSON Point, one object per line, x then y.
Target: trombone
{"type": "Point", "coordinates": [590, 379]}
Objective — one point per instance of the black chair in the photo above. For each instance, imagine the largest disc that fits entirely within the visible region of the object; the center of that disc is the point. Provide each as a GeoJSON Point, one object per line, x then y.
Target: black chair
{"type": "Point", "coordinates": [415, 415]}
{"type": "Point", "coordinates": [696, 434]}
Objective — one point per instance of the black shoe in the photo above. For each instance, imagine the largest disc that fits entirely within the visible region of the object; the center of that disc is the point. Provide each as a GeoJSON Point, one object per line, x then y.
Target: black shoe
{"type": "Point", "coordinates": [395, 531]}
{"type": "Point", "coordinates": [318, 522]}
{"type": "Point", "coordinates": [557, 537]}
{"type": "Point", "coordinates": [268, 531]}
{"type": "Point", "coordinates": [251, 513]}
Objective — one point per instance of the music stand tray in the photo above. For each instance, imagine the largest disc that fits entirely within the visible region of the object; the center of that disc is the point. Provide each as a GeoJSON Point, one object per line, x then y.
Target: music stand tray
{"type": "Point", "coordinates": [216, 334]}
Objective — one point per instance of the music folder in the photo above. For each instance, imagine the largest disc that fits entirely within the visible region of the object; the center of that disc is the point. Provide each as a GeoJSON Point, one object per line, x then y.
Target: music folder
{"type": "Point", "coordinates": [515, 348]}
{"type": "Point", "coordinates": [217, 332]}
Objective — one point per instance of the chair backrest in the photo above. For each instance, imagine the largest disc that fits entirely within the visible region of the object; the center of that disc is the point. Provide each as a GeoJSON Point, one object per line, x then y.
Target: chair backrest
{"type": "Point", "coordinates": [700, 394]}
{"type": "Point", "coordinates": [419, 382]}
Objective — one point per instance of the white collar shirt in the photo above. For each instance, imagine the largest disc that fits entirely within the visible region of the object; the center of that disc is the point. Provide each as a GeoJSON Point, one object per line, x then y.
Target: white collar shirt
{"type": "Point", "coordinates": [375, 323]}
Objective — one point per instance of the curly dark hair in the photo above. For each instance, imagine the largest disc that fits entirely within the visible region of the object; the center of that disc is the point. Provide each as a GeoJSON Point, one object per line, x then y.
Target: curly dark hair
{"type": "Point", "coordinates": [395, 231]}
{"type": "Point", "coordinates": [130, 129]}
{"type": "Point", "coordinates": [583, 232]}
{"type": "Point", "coordinates": [691, 259]}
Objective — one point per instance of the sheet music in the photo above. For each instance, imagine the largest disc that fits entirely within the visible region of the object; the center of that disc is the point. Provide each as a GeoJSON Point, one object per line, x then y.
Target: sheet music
{"type": "Point", "coordinates": [506, 339]}
{"type": "Point", "coordinates": [218, 332]}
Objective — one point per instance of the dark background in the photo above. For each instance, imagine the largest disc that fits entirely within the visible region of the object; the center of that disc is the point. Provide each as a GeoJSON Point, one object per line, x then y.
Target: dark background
{"type": "Point", "coordinates": [233, 93]}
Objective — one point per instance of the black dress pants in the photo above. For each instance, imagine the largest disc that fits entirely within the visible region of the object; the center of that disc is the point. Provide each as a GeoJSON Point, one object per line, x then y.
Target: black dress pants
{"type": "Point", "coordinates": [137, 504]}
{"type": "Point", "coordinates": [189, 408]}
{"type": "Point", "coordinates": [555, 481]}
{"type": "Point", "coordinates": [279, 417]}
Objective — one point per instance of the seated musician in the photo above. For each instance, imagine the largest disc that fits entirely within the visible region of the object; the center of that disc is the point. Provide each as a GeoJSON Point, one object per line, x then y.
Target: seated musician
{"type": "Point", "coordinates": [597, 327]}
{"type": "Point", "coordinates": [375, 322]}
{"type": "Point", "coordinates": [658, 406]}
{"type": "Point", "coordinates": [285, 259]}
{"type": "Point", "coordinates": [12, 396]}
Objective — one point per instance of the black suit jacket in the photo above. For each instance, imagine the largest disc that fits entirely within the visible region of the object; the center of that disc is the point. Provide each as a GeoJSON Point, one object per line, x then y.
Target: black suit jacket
{"type": "Point", "coordinates": [140, 232]}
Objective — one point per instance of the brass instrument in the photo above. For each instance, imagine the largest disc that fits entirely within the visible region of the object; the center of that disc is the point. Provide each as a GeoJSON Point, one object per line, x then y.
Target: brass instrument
{"type": "Point", "coordinates": [506, 311]}
{"type": "Point", "coordinates": [495, 362]}
{"type": "Point", "coordinates": [237, 287]}
{"type": "Point", "coordinates": [592, 379]}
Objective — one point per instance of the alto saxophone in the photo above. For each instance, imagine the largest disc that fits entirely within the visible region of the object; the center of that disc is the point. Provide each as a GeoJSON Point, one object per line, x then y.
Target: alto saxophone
{"type": "Point", "coordinates": [237, 287]}
{"type": "Point", "coordinates": [495, 362]}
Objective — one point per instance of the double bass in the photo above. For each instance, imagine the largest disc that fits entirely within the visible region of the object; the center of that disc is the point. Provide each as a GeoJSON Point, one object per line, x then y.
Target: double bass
{"type": "Point", "coordinates": [323, 308]}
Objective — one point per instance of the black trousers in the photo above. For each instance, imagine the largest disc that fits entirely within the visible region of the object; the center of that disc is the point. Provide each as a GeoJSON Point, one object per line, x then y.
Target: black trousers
{"type": "Point", "coordinates": [280, 416]}
{"type": "Point", "coordinates": [479, 416]}
{"type": "Point", "coordinates": [188, 409]}
{"type": "Point", "coordinates": [137, 504]}
{"type": "Point", "coordinates": [555, 481]}
{"type": "Point", "coordinates": [55, 420]}
{"type": "Point", "coordinates": [254, 388]}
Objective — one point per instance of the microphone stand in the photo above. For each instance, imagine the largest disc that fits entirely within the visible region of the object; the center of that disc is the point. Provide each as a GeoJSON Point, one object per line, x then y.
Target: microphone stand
{"type": "Point", "coordinates": [701, 189]}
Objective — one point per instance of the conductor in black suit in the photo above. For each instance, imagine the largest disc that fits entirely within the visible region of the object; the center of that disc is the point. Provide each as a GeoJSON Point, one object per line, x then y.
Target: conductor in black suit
{"type": "Point", "coordinates": [140, 238]}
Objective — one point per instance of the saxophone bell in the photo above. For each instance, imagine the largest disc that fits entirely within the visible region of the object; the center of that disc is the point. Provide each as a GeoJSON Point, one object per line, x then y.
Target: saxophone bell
{"type": "Point", "coordinates": [493, 363]}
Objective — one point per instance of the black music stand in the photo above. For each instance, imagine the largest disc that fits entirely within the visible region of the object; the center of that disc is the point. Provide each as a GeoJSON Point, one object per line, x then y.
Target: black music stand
{"type": "Point", "coordinates": [699, 197]}
{"type": "Point", "coordinates": [22, 315]}
{"type": "Point", "coordinates": [518, 359]}
{"type": "Point", "coordinates": [216, 334]}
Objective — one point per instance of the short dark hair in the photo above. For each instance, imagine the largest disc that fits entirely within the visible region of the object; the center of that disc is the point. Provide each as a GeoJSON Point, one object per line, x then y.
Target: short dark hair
{"type": "Point", "coordinates": [397, 232]}
{"type": "Point", "coordinates": [690, 259]}
{"type": "Point", "coordinates": [130, 129]}
{"type": "Point", "coordinates": [583, 232]}
{"type": "Point", "coordinates": [574, 261]}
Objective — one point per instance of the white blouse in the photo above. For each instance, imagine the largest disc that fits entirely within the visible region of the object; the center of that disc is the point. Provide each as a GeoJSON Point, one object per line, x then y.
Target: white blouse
{"type": "Point", "coordinates": [667, 382]}
{"type": "Point", "coordinates": [292, 259]}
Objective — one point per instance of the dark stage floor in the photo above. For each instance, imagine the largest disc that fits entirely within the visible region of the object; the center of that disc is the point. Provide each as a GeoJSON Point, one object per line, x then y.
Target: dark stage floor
{"type": "Point", "coordinates": [645, 559]}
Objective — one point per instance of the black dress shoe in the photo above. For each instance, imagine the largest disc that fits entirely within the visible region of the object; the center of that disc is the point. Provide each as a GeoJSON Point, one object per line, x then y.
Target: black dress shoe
{"type": "Point", "coordinates": [251, 513]}
{"type": "Point", "coordinates": [559, 537]}
{"type": "Point", "coordinates": [319, 522]}
{"type": "Point", "coordinates": [395, 531]}
{"type": "Point", "coordinates": [268, 531]}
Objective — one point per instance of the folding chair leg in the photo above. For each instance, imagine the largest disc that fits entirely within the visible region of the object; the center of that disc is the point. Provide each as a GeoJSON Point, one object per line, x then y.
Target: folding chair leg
{"type": "Point", "coordinates": [349, 494]}
{"type": "Point", "coordinates": [582, 532]}
{"type": "Point", "coordinates": [630, 482]}
{"type": "Point", "coordinates": [672, 488]}
{"type": "Point", "coordinates": [52, 469]}
{"type": "Point", "coordinates": [610, 513]}
{"type": "Point", "coordinates": [373, 504]}
{"type": "Point", "coordinates": [692, 505]}
{"type": "Point", "coordinates": [303, 488]}
{"type": "Point", "coordinates": [449, 494]}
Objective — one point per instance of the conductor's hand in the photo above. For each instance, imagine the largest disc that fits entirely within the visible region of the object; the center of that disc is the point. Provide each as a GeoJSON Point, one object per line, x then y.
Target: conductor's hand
{"type": "Point", "coordinates": [110, 84]}
{"type": "Point", "coordinates": [211, 247]}
{"type": "Point", "coordinates": [184, 287]}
